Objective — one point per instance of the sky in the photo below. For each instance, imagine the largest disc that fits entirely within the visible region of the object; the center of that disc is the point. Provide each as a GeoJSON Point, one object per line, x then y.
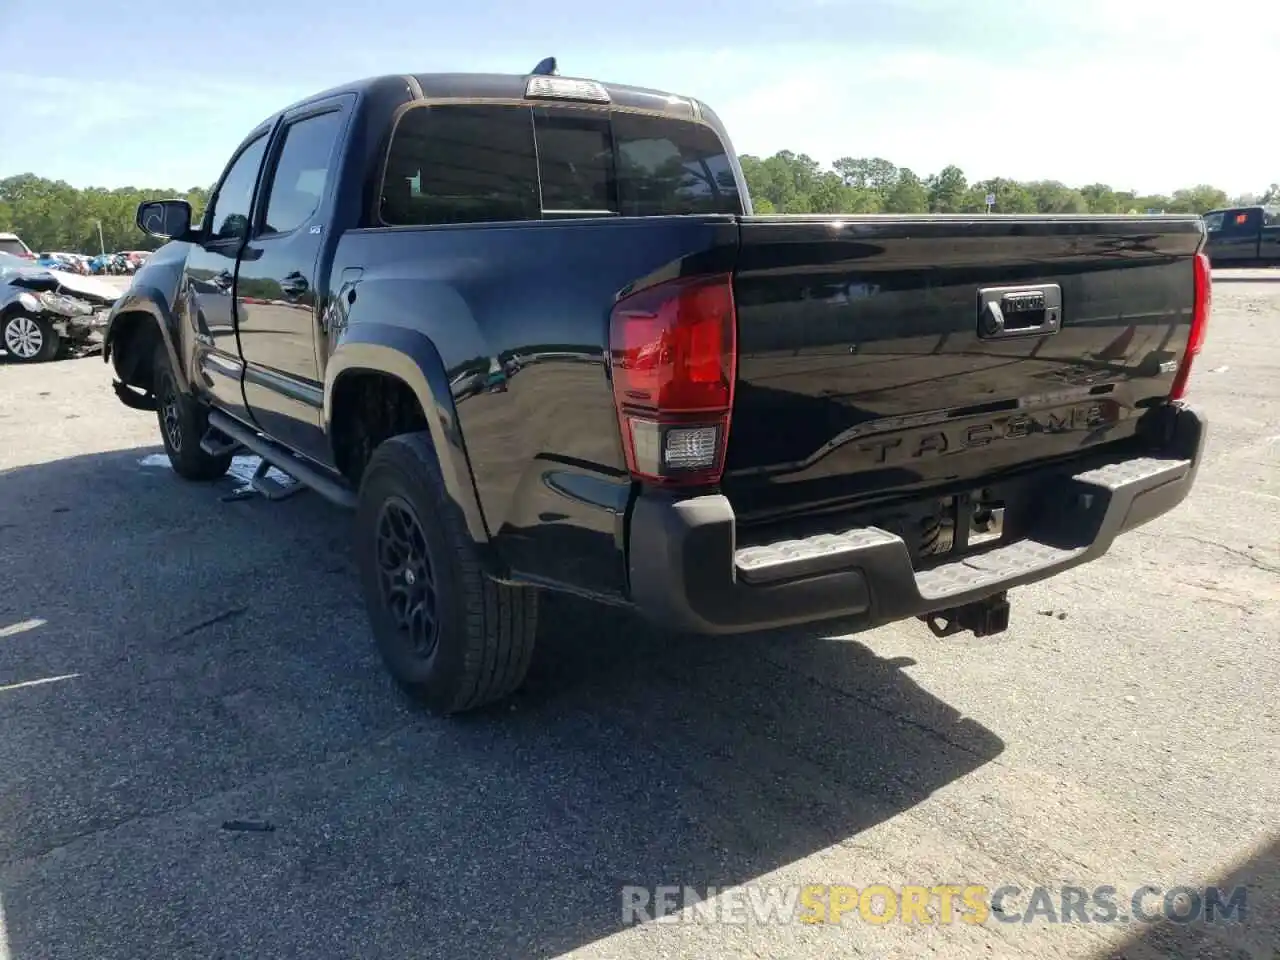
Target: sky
{"type": "Point", "coordinates": [1140, 94]}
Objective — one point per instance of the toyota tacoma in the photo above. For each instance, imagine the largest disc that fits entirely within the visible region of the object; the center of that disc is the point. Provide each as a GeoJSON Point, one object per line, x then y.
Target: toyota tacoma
{"type": "Point", "coordinates": [528, 328]}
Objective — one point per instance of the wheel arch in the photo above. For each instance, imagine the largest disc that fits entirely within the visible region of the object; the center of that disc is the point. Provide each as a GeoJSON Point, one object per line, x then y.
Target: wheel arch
{"type": "Point", "coordinates": [10, 308]}
{"type": "Point", "coordinates": [140, 319]}
{"type": "Point", "coordinates": [410, 359]}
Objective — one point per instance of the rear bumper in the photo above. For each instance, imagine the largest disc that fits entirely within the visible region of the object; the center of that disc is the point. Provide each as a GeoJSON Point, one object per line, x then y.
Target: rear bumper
{"type": "Point", "coordinates": [687, 573]}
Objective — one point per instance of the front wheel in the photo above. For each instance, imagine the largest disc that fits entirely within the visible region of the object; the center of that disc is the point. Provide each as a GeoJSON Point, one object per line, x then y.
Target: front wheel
{"type": "Point", "coordinates": [183, 423]}
{"type": "Point", "coordinates": [450, 635]}
{"type": "Point", "coordinates": [29, 339]}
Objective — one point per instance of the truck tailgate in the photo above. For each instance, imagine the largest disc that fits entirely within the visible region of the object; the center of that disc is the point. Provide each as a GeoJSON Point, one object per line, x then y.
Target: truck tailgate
{"type": "Point", "coordinates": [870, 363]}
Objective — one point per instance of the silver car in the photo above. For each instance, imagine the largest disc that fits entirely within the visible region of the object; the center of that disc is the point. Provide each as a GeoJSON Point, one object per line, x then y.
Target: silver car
{"type": "Point", "coordinates": [47, 313]}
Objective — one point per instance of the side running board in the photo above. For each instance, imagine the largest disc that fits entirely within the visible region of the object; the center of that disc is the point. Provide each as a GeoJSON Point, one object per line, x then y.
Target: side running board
{"type": "Point", "coordinates": [273, 454]}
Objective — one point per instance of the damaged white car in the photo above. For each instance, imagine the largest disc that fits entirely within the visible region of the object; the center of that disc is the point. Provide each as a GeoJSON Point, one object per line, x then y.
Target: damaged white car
{"type": "Point", "coordinates": [45, 314]}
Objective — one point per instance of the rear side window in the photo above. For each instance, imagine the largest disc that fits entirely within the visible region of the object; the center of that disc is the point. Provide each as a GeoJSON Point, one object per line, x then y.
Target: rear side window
{"type": "Point", "coordinates": [475, 164]}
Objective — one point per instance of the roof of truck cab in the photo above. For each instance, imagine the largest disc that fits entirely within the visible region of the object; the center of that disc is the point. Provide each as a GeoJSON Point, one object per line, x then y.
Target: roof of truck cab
{"type": "Point", "coordinates": [504, 86]}
{"type": "Point", "coordinates": [507, 86]}
{"type": "Point", "coordinates": [1264, 207]}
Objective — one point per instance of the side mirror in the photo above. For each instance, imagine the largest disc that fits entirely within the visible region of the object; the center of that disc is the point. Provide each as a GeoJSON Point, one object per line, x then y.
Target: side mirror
{"type": "Point", "coordinates": [164, 219]}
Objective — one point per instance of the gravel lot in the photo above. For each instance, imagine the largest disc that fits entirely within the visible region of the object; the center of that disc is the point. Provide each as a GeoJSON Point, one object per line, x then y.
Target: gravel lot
{"type": "Point", "coordinates": [170, 663]}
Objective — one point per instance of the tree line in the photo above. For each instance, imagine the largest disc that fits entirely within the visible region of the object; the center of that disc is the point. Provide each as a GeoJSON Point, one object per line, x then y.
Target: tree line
{"type": "Point", "coordinates": [52, 215]}
{"type": "Point", "coordinates": [795, 183]}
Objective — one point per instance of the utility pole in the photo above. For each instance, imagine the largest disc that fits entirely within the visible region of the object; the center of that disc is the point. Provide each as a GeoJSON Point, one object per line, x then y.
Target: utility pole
{"type": "Point", "coordinates": [102, 244]}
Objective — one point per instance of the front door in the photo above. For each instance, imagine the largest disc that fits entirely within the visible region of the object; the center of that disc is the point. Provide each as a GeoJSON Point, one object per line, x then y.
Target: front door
{"type": "Point", "coordinates": [278, 288]}
{"type": "Point", "coordinates": [207, 303]}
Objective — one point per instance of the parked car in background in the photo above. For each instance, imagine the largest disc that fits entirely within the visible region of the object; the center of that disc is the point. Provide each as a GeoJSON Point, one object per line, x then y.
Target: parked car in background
{"type": "Point", "coordinates": [1243, 236]}
{"type": "Point", "coordinates": [47, 313]}
{"type": "Point", "coordinates": [137, 257]}
{"type": "Point", "coordinates": [59, 261]}
{"type": "Point", "coordinates": [11, 244]}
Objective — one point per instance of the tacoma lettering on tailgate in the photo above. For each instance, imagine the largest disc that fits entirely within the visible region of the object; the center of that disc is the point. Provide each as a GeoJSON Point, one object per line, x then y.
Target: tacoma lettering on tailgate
{"type": "Point", "coordinates": [941, 439]}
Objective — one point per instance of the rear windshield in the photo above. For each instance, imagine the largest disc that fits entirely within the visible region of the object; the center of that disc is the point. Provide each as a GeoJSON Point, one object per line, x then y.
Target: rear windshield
{"type": "Point", "coordinates": [487, 163]}
{"type": "Point", "coordinates": [12, 247]}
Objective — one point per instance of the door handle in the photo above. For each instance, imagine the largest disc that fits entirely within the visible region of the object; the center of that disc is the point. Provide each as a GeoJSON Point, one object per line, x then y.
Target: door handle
{"type": "Point", "coordinates": [294, 285]}
{"type": "Point", "coordinates": [1006, 312]}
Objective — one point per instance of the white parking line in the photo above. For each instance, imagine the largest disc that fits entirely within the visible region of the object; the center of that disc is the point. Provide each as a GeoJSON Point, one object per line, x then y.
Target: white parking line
{"type": "Point", "coordinates": [16, 628]}
{"type": "Point", "coordinates": [36, 683]}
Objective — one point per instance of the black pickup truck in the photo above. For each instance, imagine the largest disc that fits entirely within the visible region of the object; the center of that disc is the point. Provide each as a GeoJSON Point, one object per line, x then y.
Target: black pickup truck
{"type": "Point", "coordinates": [529, 329]}
{"type": "Point", "coordinates": [1243, 236]}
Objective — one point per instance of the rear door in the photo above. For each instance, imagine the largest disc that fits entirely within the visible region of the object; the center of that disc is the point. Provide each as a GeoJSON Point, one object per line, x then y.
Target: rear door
{"type": "Point", "coordinates": [278, 287]}
{"type": "Point", "coordinates": [868, 364]}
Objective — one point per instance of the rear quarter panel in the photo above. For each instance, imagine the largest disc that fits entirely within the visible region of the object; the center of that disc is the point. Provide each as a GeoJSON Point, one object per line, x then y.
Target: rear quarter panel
{"type": "Point", "coordinates": [519, 316]}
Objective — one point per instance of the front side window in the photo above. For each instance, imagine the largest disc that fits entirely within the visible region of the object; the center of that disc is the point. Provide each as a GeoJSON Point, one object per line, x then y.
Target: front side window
{"type": "Point", "coordinates": [230, 215]}
{"type": "Point", "coordinates": [302, 171]}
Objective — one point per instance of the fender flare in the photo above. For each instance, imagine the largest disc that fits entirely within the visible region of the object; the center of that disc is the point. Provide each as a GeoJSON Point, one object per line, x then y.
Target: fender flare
{"type": "Point", "coordinates": [149, 300]}
{"type": "Point", "coordinates": [411, 357]}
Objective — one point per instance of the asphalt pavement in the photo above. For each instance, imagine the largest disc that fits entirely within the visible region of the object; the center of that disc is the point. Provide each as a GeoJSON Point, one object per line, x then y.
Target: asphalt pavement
{"type": "Point", "coordinates": [200, 755]}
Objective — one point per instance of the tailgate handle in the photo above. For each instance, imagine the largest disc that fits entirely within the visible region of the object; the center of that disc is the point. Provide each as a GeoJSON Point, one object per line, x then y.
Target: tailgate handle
{"type": "Point", "coordinates": [1005, 312]}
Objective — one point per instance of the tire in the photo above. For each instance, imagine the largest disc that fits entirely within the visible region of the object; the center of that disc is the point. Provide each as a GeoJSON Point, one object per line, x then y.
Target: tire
{"type": "Point", "coordinates": [29, 339]}
{"type": "Point", "coordinates": [474, 636]}
{"type": "Point", "coordinates": [183, 423]}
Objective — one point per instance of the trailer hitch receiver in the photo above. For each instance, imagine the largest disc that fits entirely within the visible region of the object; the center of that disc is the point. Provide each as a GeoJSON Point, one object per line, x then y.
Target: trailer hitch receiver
{"type": "Point", "coordinates": [984, 617]}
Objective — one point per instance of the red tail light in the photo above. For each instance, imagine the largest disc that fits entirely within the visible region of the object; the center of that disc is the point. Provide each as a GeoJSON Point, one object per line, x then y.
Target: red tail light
{"type": "Point", "coordinates": [674, 357]}
{"type": "Point", "coordinates": [1199, 324]}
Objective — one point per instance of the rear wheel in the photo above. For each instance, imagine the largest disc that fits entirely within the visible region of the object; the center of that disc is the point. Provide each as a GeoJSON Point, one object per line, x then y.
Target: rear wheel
{"type": "Point", "coordinates": [450, 635]}
{"type": "Point", "coordinates": [29, 339]}
{"type": "Point", "coordinates": [183, 423]}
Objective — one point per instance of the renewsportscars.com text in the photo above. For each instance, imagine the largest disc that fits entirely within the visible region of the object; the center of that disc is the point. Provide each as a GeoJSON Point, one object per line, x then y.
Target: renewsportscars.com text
{"type": "Point", "coordinates": [939, 904]}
